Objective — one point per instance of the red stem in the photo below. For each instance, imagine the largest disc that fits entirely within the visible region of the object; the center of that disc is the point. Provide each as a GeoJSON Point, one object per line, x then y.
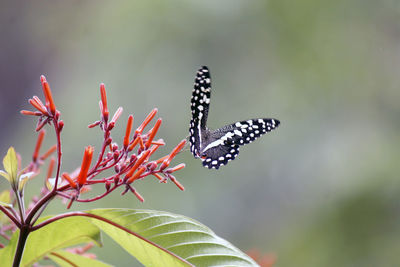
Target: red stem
{"type": "Point", "coordinates": [59, 153]}
{"type": "Point", "coordinates": [53, 192]}
{"type": "Point", "coordinates": [103, 149]}
{"type": "Point", "coordinates": [23, 236]}
{"type": "Point", "coordinates": [9, 215]}
{"type": "Point", "coordinates": [98, 197]}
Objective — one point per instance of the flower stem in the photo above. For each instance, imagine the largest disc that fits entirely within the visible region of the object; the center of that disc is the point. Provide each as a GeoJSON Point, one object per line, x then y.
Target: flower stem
{"type": "Point", "coordinates": [59, 153]}
{"type": "Point", "coordinates": [23, 235]}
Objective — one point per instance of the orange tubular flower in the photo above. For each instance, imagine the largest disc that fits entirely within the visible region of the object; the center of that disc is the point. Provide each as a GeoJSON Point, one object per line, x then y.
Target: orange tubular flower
{"type": "Point", "coordinates": [128, 131]}
{"type": "Point", "coordinates": [159, 177]}
{"type": "Point", "coordinates": [39, 107]}
{"type": "Point", "coordinates": [48, 152]}
{"type": "Point", "coordinates": [174, 152]}
{"type": "Point", "coordinates": [38, 145]}
{"type": "Point", "coordinates": [32, 113]}
{"type": "Point", "coordinates": [178, 184]}
{"type": "Point", "coordinates": [154, 148]}
{"type": "Point", "coordinates": [141, 143]}
{"type": "Point", "coordinates": [137, 195]}
{"type": "Point", "coordinates": [153, 133]}
{"type": "Point", "coordinates": [51, 168]}
{"type": "Point", "coordinates": [146, 121]}
{"type": "Point", "coordinates": [176, 168]}
{"type": "Point", "coordinates": [47, 93]}
{"type": "Point", "coordinates": [104, 110]}
{"type": "Point", "coordinates": [86, 161]}
{"type": "Point", "coordinates": [116, 115]}
{"type": "Point", "coordinates": [138, 162]}
{"type": "Point", "coordinates": [135, 142]}
{"type": "Point", "coordinates": [159, 142]}
{"type": "Point", "coordinates": [37, 99]}
{"type": "Point", "coordinates": [162, 159]}
{"type": "Point", "coordinates": [69, 179]}
{"type": "Point", "coordinates": [137, 174]}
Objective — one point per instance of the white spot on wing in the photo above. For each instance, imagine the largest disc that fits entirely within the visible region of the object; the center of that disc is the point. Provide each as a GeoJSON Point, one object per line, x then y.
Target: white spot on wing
{"type": "Point", "coordinates": [237, 132]}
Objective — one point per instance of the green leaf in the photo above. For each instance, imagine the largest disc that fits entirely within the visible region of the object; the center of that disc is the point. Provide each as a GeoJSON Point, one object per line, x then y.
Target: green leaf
{"type": "Point", "coordinates": [5, 175]}
{"type": "Point", "coordinates": [5, 199]}
{"type": "Point", "coordinates": [23, 179]}
{"type": "Point", "coordinates": [7, 253]}
{"type": "Point", "coordinates": [4, 205]}
{"type": "Point", "coordinates": [10, 163]}
{"type": "Point", "coordinates": [50, 183]}
{"type": "Point", "coordinates": [52, 237]}
{"type": "Point", "coordinates": [67, 259]}
{"type": "Point", "coordinates": [180, 235]}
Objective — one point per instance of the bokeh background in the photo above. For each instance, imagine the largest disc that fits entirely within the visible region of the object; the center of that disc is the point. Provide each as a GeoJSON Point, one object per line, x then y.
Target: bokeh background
{"type": "Point", "coordinates": [321, 190]}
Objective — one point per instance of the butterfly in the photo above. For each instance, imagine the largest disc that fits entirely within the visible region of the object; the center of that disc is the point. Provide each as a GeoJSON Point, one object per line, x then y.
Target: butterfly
{"type": "Point", "coordinates": [217, 147]}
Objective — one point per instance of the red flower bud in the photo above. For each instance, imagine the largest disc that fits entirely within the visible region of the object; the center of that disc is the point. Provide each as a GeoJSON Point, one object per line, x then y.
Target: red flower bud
{"type": "Point", "coordinates": [173, 179]}
{"type": "Point", "coordinates": [116, 116]}
{"type": "Point", "coordinates": [176, 168]}
{"type": "Point", "coordinates": [128, 131]}
{"type": "Point", "coordinates": [104, 108]}
{"type": "Point", "coordinates": [94, 124]}
{"type": "Point", "coordinates": [117, 168]}
{"type": "Point", "coordinates": [159, 177]}
{"type": "Point", "coordinates": [69, 179]}
{"type": "Point", "coordinates": [32, 113]}
{"type": "Point", "coordinates": [134, 143]}
{"type": "Point", "coordinates": [38, 106]}
{"type": "Point", "coordinates": [50, 168]}
{"type": "Point", "coordinates": [133, 158]}
{"type": "Point", "coordinates": [153, 133]}
{"type": "Point", "coordinates": [174, 152]}
{"type": "Point", "coordinates": [116, 155]}
{"type": "Point", "coordinates": [152, 166]}
{"type": "Point", "coordinates": [114, 147]}
{"type": "Point", "coordinates": [137, 174]}
{"type": "Point", "coordinates": [108, 141]}
{"type": "Point", "coordinates": [110, 126]}
{"type": "Point", "coordinates": [49, 152]}
{"type": "Point", "coordinates": [86, 161]}
{"type": "Point", "coordinates": [137, 195]}
{"type": "Point", "coordinates": [146, 121]}
{"type": "Point", "coordinates": [137, 164]}
{"type": "Point", "coordinates": [107, 185]}
{"type": "Point", "coordinates": [47, 93]}
{"type": "Point", "coordinates": [60, 125]}
{"type": "Point", "coordinates": [38, 145]}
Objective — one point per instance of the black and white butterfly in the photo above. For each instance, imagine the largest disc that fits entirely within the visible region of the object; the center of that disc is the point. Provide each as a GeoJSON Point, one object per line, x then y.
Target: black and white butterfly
{"type": "Point", "coordinates": [218, 147]}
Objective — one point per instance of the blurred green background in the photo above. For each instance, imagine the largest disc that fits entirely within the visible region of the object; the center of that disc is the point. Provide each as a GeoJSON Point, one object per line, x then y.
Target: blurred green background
{"type": "Point", "coordinates": [321, 190]}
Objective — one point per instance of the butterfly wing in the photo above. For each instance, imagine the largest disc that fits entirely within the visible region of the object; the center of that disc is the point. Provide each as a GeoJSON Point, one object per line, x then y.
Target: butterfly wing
{"type": "Point", "coordinates": [220, 155]}
{"type": "Point", "coordinates": [200, 103]}
{"type": "Point", "coordinates": [222, 145]}
{"type": "Point", "coordinates": [245, 132]}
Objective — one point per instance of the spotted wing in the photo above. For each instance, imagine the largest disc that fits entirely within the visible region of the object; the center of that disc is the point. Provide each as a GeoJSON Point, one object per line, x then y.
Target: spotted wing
{"type": "Point", "coordinates": [223, 144]}
{"type": "Point", "coordinates": [220, 155]}
{"type": "Point", "coordinates": [200, 102]}
{"type": "Point", "coordinates": [244, 132]}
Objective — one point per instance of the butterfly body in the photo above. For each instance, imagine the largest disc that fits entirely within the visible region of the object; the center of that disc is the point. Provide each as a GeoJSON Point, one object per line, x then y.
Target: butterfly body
{"type": "Point", "coordinates": [218, 147]}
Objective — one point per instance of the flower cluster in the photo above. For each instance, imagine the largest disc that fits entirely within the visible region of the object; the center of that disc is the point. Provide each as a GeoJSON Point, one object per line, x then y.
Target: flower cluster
{"type": "Point", "coordinates": [124, 164]}
{"type": "Point", "coordinates": [129, 162]}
